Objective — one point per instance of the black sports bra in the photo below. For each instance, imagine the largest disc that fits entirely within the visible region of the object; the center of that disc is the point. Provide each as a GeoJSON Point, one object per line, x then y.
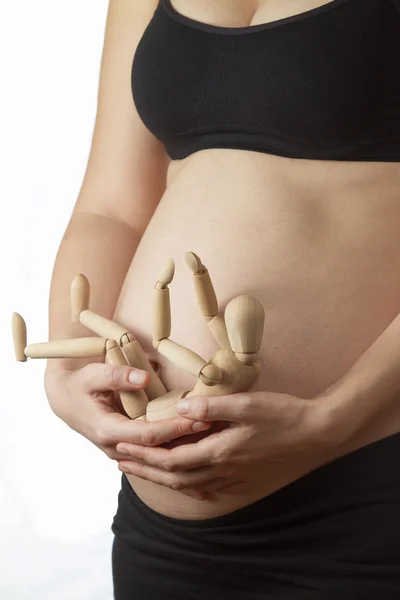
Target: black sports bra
{"type": "Point", "coordinates": [324, 84]}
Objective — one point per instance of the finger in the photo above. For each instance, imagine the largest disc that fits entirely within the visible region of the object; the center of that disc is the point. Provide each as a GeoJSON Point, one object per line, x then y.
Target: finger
{"type": "Point", "coordinates": [145, 472]}
{"type": "Point", "coordinates": [111, 453]}
{"type": "Point", "coordinates": [117, 428]}
{"type": "Point", "coordinates": [174, 481]}
{"type": "Point", "coordinates": [237, 408]}
{"type": "Point", "coordinates": [100, 377]}
{"type": "Point", "coordinates": [212, 450]}
{"type": "Point", "coordinates": [182, 458]}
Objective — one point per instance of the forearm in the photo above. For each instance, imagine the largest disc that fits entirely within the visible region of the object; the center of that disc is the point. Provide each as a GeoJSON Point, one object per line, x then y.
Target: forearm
{"type": "Point", "coordinates": [365, 402]}
{"type": "Point", "coordinates": [102, 249]}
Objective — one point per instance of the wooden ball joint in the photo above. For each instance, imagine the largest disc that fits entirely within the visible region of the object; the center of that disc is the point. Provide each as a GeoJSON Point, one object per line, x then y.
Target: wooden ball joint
{"type": "Point", "coordinates": [233, 368]}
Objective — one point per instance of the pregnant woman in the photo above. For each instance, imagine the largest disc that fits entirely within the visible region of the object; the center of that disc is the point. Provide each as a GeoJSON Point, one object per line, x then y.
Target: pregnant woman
{"type": "Point", "coordinates": [263, 135]}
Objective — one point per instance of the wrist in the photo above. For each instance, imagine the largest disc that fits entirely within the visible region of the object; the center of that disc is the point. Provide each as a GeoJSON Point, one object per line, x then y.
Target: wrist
{"type": "Point", "coordinates": [339, 417]}
{"type": "Point", "coordinates": [354, 418]}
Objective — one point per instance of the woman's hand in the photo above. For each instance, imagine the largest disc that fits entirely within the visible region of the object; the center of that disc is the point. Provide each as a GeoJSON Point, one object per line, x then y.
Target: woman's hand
{"type": "Point", "coordinates": [87, 400]}
{"type": "Point", "coordinates": [269, 440]}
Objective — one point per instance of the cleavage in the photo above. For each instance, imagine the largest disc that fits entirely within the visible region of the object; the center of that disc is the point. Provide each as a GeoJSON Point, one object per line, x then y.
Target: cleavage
{"type": "Point", "coordinates": [243, 13]}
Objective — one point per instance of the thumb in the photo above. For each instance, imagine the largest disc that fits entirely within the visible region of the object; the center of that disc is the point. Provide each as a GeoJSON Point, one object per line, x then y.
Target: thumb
{"type": "Point", "coordinates": [99, 377]}
{"type": "Point", "coordinates": [234, 407]}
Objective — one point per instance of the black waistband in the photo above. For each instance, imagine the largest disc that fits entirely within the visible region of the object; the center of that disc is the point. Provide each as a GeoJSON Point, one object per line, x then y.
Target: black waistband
{"type": "Point", "coordinates": [337, 527]}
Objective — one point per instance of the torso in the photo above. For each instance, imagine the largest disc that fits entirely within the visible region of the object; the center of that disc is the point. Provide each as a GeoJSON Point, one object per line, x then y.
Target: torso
{"type": "Point", "coordinates": [316, 241]}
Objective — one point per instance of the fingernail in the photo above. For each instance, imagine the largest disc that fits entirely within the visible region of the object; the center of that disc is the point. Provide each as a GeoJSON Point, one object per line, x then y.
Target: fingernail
{"type": "Point", "coordinates": [123, 468]}
{"type": "Point", "coordinates": [183, 406]}
{"type": "Point", "coordinates": [122, 450]}
{"type": "Point", "coordinates": [200, 426]}
{"type": "Point", "coordinates": [137, 377]}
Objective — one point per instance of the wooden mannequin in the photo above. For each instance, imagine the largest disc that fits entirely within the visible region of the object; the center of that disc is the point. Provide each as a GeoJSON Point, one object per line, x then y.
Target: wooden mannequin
{"type": "Point", "coordinates": [233, 368]}
{"type": "Point", "coordinates": [80, 295]}
{"type": "Point", "coordinates": [134, 403]}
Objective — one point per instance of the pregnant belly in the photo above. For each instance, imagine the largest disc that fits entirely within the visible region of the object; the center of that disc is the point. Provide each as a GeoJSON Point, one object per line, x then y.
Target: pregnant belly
{"type": "Point", "coordinates": [325, 272]}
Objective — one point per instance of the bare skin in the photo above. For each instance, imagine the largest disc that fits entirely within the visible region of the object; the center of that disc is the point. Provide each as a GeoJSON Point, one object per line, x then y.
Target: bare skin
{"type": "Point", "coordinates": [315, 241]}
{"type": "Point", "coordinates": [236, 13]}
{"type": "Point", "coordinates": [324, 266]}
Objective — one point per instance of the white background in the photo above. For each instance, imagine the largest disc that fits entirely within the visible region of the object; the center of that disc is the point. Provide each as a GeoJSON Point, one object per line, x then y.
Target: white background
{"type": "Point", "coordinates": [58, 492]}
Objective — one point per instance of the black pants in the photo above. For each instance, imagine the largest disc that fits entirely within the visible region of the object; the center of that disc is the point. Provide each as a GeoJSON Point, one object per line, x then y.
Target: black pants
{"type": "Point", "coordinates": [332, 535]}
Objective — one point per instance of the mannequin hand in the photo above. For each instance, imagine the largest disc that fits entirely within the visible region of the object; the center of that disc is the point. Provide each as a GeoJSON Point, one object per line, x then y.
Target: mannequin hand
{"type": "Point", "coordinates": [269, 440]}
